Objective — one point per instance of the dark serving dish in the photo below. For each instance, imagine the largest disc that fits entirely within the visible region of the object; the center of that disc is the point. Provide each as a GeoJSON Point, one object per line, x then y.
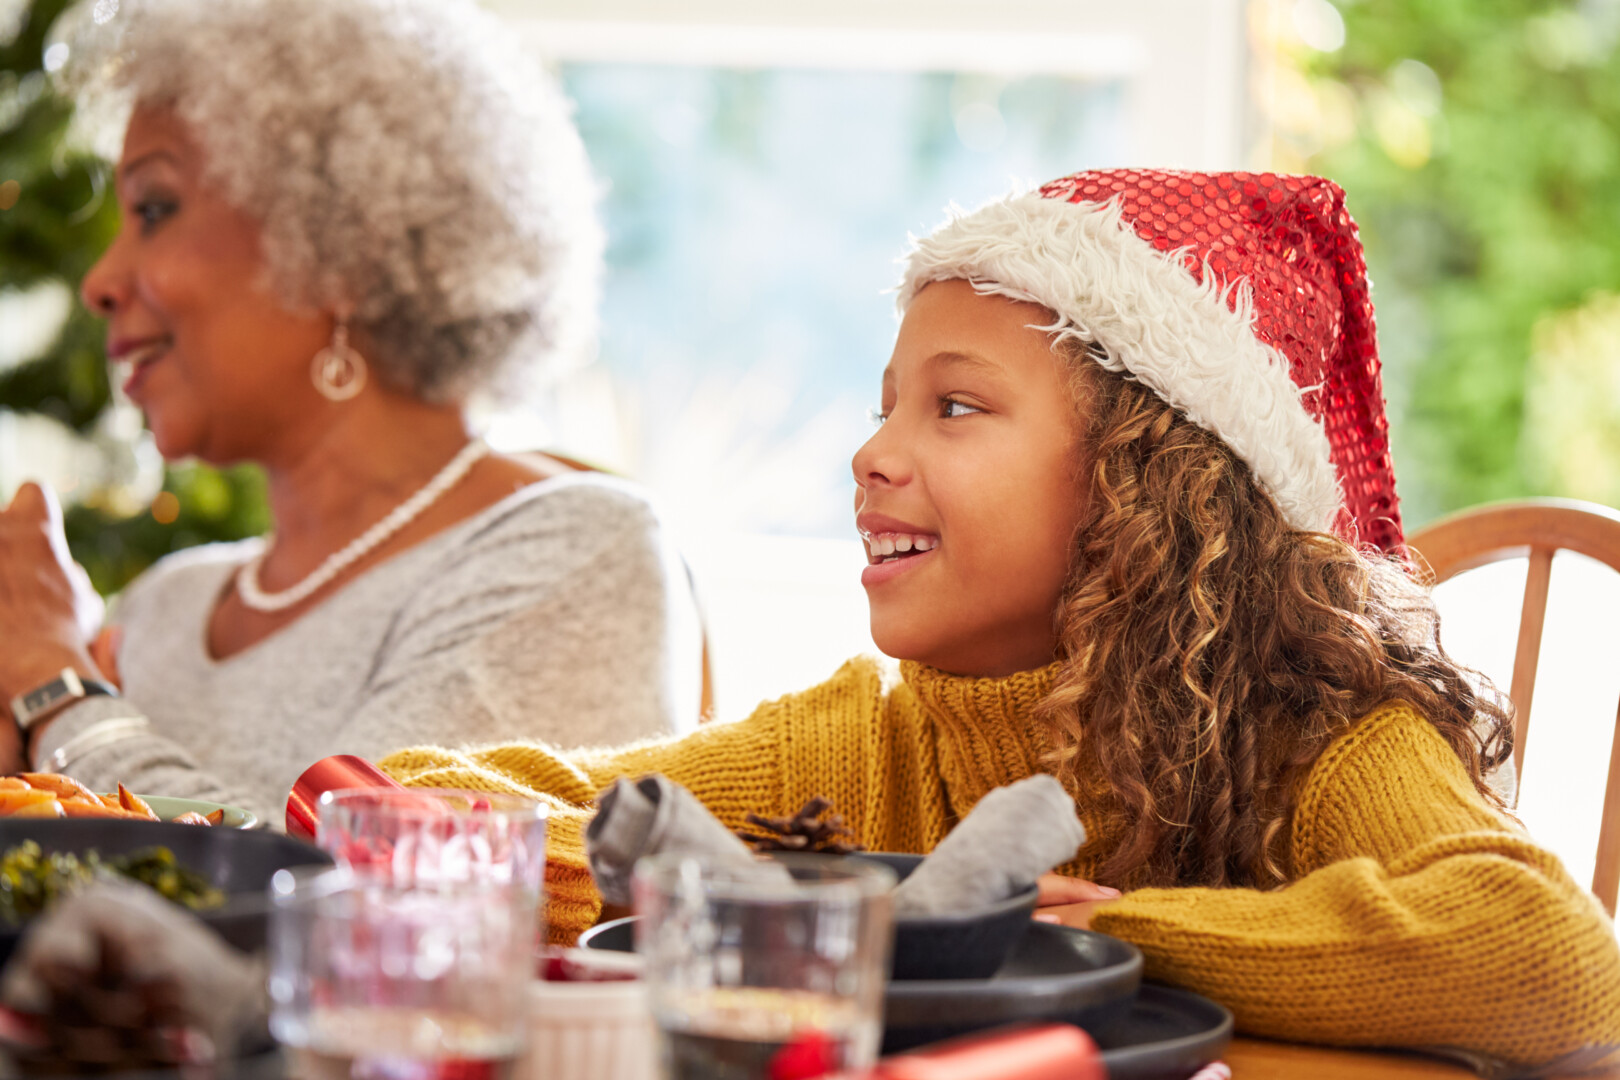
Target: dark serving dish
{"type": "Point", "coordinates": [238, 862]}
{"type": "Point", "coordinates": [1052, 973]}
{"type": "Point", "coordinates": [965, 945]}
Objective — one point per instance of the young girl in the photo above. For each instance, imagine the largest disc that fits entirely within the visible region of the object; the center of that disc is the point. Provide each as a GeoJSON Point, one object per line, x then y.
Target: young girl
{"type": "Point", "coordinates": [1127, 516]}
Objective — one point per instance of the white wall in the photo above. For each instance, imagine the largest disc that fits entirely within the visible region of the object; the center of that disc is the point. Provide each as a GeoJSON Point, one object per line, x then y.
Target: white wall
{"type": "Point", "coordinates": [1186, 60]}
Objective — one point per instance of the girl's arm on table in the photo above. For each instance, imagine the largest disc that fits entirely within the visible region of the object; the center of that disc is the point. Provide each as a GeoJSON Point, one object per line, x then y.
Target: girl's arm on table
{"type": "Point", "coordinates": [1419, 917]}
{"type": "Point", "coordinates": [733, 769]}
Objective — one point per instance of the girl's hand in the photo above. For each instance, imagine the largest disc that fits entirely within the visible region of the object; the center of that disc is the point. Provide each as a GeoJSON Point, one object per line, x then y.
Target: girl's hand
{"type": "Point", "coordinates": [1071, 901]}
{"type": "Point", "coordinates": [48, 610]}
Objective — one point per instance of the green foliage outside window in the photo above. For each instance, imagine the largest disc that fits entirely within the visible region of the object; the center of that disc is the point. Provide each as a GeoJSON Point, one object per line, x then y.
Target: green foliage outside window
{"type": "Point", "coordinates": [1479, 142]}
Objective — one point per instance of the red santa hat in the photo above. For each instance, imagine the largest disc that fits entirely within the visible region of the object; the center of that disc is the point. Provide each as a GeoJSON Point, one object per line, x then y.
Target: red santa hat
{"type": "Point", "coordinates": [1239, 298]}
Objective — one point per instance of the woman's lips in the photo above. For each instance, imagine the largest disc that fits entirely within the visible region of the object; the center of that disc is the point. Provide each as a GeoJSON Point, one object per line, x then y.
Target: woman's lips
{"type": "Point", "coordinates": [140, 360]}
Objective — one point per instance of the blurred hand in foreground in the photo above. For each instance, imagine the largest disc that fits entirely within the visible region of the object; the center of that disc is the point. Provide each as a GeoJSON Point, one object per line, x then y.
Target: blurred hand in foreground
{"type": "Point", "coordinates": [118, 976]}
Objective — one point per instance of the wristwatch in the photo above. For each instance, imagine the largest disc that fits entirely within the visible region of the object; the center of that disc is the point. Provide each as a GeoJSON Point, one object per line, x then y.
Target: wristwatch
{"type": "Point", "coordinates": [42, 702]}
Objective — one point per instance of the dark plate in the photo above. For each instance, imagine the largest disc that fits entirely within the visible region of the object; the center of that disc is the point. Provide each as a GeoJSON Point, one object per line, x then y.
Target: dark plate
{"type": "Point", "coordinates": [969, 945]}
{"type": "Point", "coordinates": [238, 862]}
{"type": "Point", "coordinates": [1052, 973]}
{"type": "Point", "coordinates": [616, 935]}
{"type": "Point", "coordinates": [1162, 1034]}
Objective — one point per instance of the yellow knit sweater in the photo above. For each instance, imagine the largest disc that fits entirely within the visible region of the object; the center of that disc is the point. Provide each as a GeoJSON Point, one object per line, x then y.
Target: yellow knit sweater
{"type": "Point", "coordinates": [1418, 915]}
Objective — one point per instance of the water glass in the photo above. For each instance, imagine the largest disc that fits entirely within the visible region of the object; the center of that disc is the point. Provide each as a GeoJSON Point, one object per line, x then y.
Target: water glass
{"type": "Point", "coordinates": [757, 977]}
{"type": "Point", "coordinates": [425, 838]}
{"type": "Point", "coordinates": [411, 959]}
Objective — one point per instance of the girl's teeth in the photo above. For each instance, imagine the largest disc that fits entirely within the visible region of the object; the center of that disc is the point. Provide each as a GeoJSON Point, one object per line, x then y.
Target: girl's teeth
{"type": "Point", "coordinates": [887, 544]}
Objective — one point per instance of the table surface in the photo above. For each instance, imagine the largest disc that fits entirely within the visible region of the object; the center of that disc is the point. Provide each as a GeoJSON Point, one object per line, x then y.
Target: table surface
{"type": "Point", "coordinates": [1259, 1059]}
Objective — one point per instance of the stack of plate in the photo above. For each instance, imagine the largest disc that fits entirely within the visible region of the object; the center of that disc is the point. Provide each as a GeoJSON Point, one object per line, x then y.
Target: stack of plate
{"type": "Point", "coordinates": [1145, 1031]}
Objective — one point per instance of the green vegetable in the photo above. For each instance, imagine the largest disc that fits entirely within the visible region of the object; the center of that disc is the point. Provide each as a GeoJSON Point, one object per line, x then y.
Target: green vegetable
{"type": "Point", "coordinates": [30, 880]}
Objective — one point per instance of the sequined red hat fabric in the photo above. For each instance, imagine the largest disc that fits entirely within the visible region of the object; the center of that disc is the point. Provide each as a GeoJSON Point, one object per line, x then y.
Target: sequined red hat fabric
{"type": "Point", "coordinates": [1240, 298]}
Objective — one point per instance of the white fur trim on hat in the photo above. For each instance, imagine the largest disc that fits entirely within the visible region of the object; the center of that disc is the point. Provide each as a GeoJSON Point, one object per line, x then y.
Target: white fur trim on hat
{"type": "Point", "coordinates": [1154, 320]}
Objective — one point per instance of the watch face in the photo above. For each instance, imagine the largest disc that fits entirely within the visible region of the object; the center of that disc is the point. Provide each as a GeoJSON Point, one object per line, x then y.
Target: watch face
{"type": "Point", "coordinates": [45, 696]}
{"type": "Point", "coordinates": [42, 701]}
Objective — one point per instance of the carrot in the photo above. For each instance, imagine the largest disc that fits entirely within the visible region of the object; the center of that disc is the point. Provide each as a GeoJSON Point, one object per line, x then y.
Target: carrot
{"type": "Point", "coordinates": [57, 784]}
{"type": "Point", "coordinates": [14, 783]}
{"type": "Point", "coordinates": [77, 808]}
{"type": "Point", "coordinates": [130, 801]}
{"type": "Point", "coordinates": [191, 817]}
{"type": "Point", "coordinates": [47, 809]}
{"type": "Point", "coordinates": [13, 801]}
{"type": "Point", "coordinates": [216, 817]}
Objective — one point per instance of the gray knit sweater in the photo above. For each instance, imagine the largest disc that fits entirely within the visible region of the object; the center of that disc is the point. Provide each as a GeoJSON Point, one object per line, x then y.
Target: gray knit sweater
{"type": "Point", "coordinates": [561, 613]}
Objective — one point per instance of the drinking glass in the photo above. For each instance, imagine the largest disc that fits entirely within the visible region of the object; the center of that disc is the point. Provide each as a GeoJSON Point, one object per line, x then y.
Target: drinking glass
{"type": "Point", "coordinates": [767, 977]}
{"type": "Point", "coordinates": [426, 838]}
{"type": "Point", "coordinates": [411, 959]}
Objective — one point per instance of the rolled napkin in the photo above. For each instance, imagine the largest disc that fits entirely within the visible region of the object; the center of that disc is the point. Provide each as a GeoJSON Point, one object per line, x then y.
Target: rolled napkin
{"type": "Point", "coordinates": [1013, 836]}
{"type": "Point", "coordinates": [653, 815]}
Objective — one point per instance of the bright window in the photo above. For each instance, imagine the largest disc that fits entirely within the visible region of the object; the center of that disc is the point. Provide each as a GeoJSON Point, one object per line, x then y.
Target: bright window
{"type": "Point", "coordinates": [761, 180]}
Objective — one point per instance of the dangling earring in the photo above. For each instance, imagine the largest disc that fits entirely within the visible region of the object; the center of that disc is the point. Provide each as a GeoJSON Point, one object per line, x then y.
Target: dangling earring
{"type": "Point", "coordinates": [338, 371]}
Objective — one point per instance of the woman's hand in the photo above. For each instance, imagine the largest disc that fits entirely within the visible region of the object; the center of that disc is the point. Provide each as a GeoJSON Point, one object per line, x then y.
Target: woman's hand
{"type": "Point", "coordinates": [1071, 901]}
{"type": "Point", "coordinates": [104, 653]}
{"type": "Point", "coordinates": [48, 610]}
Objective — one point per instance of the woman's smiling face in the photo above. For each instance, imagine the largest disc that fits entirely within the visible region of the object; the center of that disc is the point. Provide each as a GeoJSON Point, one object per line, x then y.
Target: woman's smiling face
{"type": "Point", "coordinates": [218, 365]}
{"type": "Point", "coordinates": [967, 496]}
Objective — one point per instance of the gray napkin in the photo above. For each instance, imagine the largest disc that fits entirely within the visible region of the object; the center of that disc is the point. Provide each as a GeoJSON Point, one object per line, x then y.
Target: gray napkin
{"type": "Point", "coordinates": [653, 815]}
{"type": "Point", "coordinates": [1013, 836]}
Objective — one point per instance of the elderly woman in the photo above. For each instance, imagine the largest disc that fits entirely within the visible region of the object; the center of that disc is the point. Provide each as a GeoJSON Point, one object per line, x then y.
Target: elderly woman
{"type": "Point", "coordinates": [342, 220]}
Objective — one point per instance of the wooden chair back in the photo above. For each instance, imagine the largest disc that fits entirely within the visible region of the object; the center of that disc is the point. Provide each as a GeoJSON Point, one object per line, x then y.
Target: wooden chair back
{"type": "Point", "coordinates": [1534, 528]}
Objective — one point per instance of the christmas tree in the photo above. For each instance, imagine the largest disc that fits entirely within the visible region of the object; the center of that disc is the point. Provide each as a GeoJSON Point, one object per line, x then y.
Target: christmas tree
{"type": "Point", "coordinates": [57, 215]}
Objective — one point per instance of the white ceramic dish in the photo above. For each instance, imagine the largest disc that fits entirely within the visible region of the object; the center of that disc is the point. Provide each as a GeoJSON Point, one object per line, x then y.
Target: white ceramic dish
{"type": "Point", "coordinates": [590, 1031]}
{"type": "Point", "coordinates": [168, 809]}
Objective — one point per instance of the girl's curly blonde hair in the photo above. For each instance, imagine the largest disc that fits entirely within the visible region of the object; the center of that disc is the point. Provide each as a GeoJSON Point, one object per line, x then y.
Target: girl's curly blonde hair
{"type": "Point", "coordinates": [1211, 652]}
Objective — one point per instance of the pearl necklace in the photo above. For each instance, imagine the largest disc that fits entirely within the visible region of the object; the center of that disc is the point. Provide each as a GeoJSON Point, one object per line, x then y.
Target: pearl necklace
{"type": "Point", "coordinates": [247, 580]}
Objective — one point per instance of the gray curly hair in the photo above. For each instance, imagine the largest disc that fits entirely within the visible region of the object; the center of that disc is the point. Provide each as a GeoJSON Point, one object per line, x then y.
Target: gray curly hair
{"type": "Point", "coordinates": [406, 160]}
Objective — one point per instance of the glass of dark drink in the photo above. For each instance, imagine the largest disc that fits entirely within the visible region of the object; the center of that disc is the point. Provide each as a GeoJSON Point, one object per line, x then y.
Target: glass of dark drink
{"type": "Point", "coordinates": [765, 976]}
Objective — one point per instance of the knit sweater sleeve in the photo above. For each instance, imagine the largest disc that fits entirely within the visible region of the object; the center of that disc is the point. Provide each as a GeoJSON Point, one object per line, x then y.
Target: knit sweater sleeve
{"type": "Point", "coordinates": [733, 769]}
{"type": "Point", "coordinates": [1419, 918]}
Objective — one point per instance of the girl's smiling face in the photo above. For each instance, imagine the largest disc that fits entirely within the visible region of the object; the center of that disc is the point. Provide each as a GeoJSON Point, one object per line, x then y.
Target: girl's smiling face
{"type": "Point", "coordinates": [968, 496]}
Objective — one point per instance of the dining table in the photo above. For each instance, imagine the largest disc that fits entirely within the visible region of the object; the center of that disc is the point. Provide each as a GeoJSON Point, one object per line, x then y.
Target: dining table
{"type": "Point", "coordinates": [1263, 1059]}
